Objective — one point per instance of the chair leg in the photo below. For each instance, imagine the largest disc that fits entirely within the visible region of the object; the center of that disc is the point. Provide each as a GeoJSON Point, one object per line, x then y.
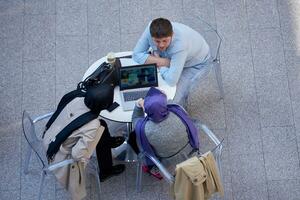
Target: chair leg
{"type": "Point", "coordinates": [27, 159]}
{"type": "Point", "coordinates": [217, 69]}
{"type": "Point", "coordinates": [218, 158]}
{"type": "Point", "coordinates": [42, 179]}
{"type": "Point", "coordinates": [99, 184]}
{"type": "Point", "coordinates": [139, 174]}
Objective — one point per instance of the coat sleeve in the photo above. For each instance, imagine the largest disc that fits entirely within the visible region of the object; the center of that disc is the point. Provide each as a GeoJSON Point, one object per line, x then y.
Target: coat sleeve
{"type": "Point", "coordinates": [89, 136]}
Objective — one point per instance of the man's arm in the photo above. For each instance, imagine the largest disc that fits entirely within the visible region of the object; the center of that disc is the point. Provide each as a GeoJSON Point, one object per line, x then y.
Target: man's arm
{"type": "Point", "coordinates": [140, 51]}
{"type": "Point", "coordinates": [161, 62]}
{"type": "Point", "coordinates": [172, 74]}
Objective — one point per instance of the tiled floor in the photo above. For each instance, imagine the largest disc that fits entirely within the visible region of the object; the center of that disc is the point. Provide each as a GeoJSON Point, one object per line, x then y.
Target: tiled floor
{"type": "Point", "coordinates": [47, 45]}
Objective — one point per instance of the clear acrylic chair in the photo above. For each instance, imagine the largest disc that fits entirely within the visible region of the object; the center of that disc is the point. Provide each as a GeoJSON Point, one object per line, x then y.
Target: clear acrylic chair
{"type": "Point", "coordinates": [214, 40]}
{"type": "Point", "coordinates": [208, 142]}
{"type": "Point", "coordinates": [35, 145]}
{"type": "Point", "coordinates": [214, 145]}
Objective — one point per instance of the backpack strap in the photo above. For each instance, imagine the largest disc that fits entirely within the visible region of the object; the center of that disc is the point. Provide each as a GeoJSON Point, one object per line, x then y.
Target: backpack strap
{"type": "Point", "coordinates": [67, 131]}
{"type": "Point", "coordinates": [67, 98]}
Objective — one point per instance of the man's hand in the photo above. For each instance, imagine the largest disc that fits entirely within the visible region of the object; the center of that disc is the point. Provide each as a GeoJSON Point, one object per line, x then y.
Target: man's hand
{"type": "Point", "coordinates": [140, 103]}
{"type": "Point", "coordinates": [155, 58]}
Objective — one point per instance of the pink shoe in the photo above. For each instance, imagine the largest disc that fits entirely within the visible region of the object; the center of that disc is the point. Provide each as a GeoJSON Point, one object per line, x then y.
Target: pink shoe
{"type": "Point", "coordinates": [154, 171]}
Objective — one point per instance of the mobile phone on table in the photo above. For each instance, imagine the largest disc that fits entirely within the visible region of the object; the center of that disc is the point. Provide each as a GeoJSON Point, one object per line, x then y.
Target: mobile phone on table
{"type": "Point", "coordinates": [113, 106]}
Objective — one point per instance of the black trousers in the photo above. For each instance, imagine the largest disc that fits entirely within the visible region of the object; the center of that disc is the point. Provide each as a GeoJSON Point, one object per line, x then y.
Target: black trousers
{"type": "Point", "coordinates": [132, 142]}
{"type": "Point", "coordinates": [103, 150]}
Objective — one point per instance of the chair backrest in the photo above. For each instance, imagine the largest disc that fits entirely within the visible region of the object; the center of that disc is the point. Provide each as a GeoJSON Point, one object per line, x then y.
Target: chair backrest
{"type": "Point", "coordinates": [208, 31]}
{"type": "Point", "coordinates": [215, 146]}
{"type": "Point", "coordinates": [29, 131]}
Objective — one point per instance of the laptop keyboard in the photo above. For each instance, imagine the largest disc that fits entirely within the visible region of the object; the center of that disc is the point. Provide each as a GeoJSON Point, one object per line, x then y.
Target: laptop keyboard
{"type": "Point", "coordinates": [134, 95]}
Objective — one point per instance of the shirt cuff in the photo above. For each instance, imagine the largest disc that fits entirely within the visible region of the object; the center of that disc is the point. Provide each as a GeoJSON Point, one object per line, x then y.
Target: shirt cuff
{"type": "Point", "coordinates": [163, 70]}
{"type": "Point", "coordinates": [137, 104]}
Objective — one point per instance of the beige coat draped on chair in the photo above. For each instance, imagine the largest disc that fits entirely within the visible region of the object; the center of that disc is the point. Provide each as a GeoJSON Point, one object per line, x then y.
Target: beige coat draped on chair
{"type": "Point", "coordinates": [79, 146]}
{"type": "Point", "coordinates": [197, 179]}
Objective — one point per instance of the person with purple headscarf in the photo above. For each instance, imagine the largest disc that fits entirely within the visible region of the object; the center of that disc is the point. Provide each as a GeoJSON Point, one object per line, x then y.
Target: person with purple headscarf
{"type": "Point", "coordinates": [165, 130]}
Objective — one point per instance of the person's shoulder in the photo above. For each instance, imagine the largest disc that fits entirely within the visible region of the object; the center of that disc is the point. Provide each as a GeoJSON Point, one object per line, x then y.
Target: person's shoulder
{"type": "Point", "coordinates": [179, 40]}
{"type": "Point", "coordinates": [92, 125]}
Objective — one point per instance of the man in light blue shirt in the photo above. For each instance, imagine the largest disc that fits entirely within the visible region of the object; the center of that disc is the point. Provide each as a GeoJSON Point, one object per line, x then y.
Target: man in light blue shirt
{"type": "Point", "coordinates": [180, 53]}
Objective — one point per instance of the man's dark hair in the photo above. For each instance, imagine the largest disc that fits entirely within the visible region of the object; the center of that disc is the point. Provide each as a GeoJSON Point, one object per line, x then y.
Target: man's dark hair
{"type": "Point", "coordinates": [160, 28]}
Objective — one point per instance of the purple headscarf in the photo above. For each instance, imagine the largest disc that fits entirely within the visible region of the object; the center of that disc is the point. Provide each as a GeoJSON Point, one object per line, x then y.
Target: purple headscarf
{"type": "Point", "coordinates": [157, 110]}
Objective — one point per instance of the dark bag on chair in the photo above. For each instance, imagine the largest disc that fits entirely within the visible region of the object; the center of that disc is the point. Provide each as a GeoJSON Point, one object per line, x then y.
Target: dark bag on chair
{"type": "Point", "coordinates": [105, 73]}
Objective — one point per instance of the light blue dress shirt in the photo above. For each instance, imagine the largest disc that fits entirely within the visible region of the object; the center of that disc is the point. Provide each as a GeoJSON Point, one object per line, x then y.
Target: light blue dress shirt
{"type": "Point", "coordinates": [187, 49]}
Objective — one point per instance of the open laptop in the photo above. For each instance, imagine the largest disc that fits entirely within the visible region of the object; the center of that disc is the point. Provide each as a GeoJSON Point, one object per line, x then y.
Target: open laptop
{"type": "Point", "coordinates": [135, 82]}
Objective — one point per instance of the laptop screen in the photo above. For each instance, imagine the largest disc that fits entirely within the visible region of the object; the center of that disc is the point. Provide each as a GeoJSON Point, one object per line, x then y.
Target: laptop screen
{"type": "Point", "coordinates": [138, 76]}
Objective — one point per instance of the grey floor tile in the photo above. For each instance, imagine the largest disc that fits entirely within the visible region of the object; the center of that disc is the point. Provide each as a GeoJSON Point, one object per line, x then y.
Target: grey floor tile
{"type": "Point", "coordinates": [228, 194]}
{"type": "Point", "coordinates": [290, 33]}
{"type": "Point", "coordinates": [224, 170]}
{"type": "Point", "coordinates": [231, 16]}
{"type": "Point", "coordinates": [71, 17]}
{"type": "Point", "coordinates": [114, 183]}
{"type": "Point", "coordinates": [130, 11]}
{"type": "Point", "coordinates": [292, 60]}
{"type": "Point", "coordinates": [262, 14]}
{"type": "Point", "coordinates": [235, 47]}
{"type": "Point", "coordinates": [99, 9]}
{"type": "Point", "coordinates": [282, 165]}
{"type": "Point", "coordinates": [271, 62]}
{"type": "Point", "coordinates": [104, 37]}
{"type": "Point", "coordinates": [11, 104]}
{"type": "Point", "coordinates": [165, 191]}
{"type": "Point", "coordinates": [13, 7]}
{"type": "Point", "coordinates": [203, 10]}
{"type": "Point", "coordinates": [131, 177]}
{"type": "Point", "coordinates": [148, 192]}
{"type": "Point", "coordinates": [11, 129]}
{"type": "Point", "coordinates": [258, 192]}
{"type": "Point", "coordinates": [237, 69]}
{"type": "Point", "coordinates": [30, 186]}
{"type": "Point", "coordinates": [117, 194]}
{"type": "Point", "coordinates": [71, 59]}
{"type": "Point", "coordinates": [296, 110]}
{"type": "Point", "coordinates": [11, 26]}
{"type": "Point", "coordinates": [285, 189]}
{"type": "Point", "coordinates": [11, 162]}
{"type": "Point", "coordinates": [163, 5]}
{"type": "Point", "coordinates": [242, 115]}
{"type": "Point", "coordinates": [10, 59]}
{"type": "Point", "coordinates": [244, 141]}
{"type": "Point", "coordinates": [204, 102]}
{"type": "Point", "coordinates": [274, 101]}
{"type": "Point", "coordinates": [129, 41]}
{"type": "Point", "coordinates": [172, 14]}
{"type": "Point", "coordinates": [10, 194]}
{"type": "Point", "coordinates": [289, 17]}
{"type": "Point", "coordinates": [62, 194]}
{"type": "Point", "coordinates": [39, 7]}
{"type": "Point", "coordinates": [39, 37]}
{"type": "Point", "coordinates": [10, 80]}
{"type": "Point", "coordinates": [37, 76]}
{"type": "Point", "coordinates": [245, 164]}
{"type": "Point", "coordinates": [279, 139]}
{"type": "Point", "coordinates": [247, 184]}
{"type": "Point", "coordinates": [62, 89]}
{"type": "Point", "coordinates": [238, 80]}
{"type": "Point", "coordinates": [290, 8]}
